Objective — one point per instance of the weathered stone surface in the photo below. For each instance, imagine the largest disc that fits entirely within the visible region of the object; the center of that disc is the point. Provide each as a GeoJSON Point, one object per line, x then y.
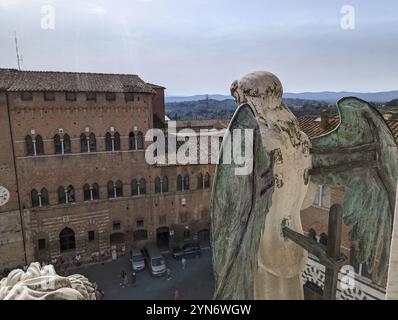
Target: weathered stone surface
{"type": "Point", "coordinates": [39, 283]}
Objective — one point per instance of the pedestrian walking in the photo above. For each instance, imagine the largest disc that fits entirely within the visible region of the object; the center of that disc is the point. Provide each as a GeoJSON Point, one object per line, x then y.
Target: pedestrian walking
{"type": "Point", "coordinates": [183, 262]}
{"type": "Point", "coordinates": [176, 295]}
{"type": "Point", "coordinates": [122, 278]}
{"type": "Point", "coordinates": [133, 278]}
{"type": "Point", "coordinates": [168, 274]}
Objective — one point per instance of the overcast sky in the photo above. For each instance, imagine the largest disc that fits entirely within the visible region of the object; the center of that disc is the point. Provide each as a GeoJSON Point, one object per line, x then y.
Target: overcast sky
{"type": "Point", "coordinates": [201, 46]}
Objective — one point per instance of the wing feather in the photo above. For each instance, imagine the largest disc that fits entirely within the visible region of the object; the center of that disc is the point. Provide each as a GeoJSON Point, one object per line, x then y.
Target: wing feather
{"type": "Point", "coordinates": [369, 193]}
{"type": "Point", "coordinates": [237, 223]}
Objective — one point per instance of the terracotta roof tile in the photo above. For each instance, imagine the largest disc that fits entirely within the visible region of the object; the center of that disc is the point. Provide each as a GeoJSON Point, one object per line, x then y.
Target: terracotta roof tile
{"type": "Point", "coordinates": [311, 127]}
{"type": "Point", "coordinates": [14, 80]}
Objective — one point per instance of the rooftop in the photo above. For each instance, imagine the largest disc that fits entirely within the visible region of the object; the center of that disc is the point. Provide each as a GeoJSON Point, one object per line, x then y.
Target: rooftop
{"type": "Point", "coordinates": [14, 80]}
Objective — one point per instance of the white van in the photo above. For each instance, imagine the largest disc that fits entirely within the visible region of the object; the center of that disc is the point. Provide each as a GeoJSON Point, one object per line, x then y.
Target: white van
{"type": "Point", "coordinates": [155, 260]}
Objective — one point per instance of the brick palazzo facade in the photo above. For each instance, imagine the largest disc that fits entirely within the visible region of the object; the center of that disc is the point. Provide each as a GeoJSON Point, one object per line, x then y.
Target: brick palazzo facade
{"type": "Point", "coordinates": [72, 157]}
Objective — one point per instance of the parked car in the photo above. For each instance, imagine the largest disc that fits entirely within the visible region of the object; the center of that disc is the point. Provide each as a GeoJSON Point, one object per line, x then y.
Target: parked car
{"type": "Point", "coordinates": [187, 250]}
{"type": "Point", "coordinates": [155, 261]}
{"type": "Point", "coordinates": [137, 259]}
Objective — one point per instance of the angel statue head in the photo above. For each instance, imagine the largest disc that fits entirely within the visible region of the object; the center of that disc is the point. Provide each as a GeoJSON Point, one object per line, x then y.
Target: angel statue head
{"type": "Point", "coordinates": [262, 90]}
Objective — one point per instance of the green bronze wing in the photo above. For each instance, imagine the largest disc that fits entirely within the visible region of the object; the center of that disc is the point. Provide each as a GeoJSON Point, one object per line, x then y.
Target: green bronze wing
{"type": "Point", "coordinates": [361, 156]}
{"type": "Point", "coordinates": [236, 220]}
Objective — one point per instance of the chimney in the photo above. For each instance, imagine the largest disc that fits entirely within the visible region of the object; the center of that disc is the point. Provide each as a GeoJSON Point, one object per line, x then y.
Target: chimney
{"type": "Point", "coordinates": [325, 115]}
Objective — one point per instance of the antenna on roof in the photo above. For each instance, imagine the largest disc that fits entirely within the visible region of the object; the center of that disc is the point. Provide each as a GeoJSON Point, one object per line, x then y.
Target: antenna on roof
{"type": "Point", "coordinates": [19, 58]}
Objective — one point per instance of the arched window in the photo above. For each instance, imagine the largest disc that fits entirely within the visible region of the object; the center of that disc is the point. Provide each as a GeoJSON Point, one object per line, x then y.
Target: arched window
{"type": "Point", "coordinates": [57, 144]}
{"type": "Point", "coordinates": [179, 183]}
{"type": "Point", "coordinates": [140, 141]}
{"type": "Point", "coordinates": [95, 191]}
{"type": "Point", "coordinates": [186, 182]}
{"type": "Point", "coordinates": [158, 187]}
{"type": "Point", "coordinates": [67, 145]}
{"type": "Point", "coordinates": [86, 192]}
{"type": "Point", "coordinates": [34, 195]}
{"type": "Point", "coordinates": [116, 139]}
{"type": "Point", "coordinates": [30, 149]}
{"type": "Point", "coordinates": [108, 142]}
{"type": "Point", "coordinates": [111, 189]}
{"type": "Point", "coordinates": [70, 194]}
{"type": "Point", "coordinates": [39, 145]}
{"type": "Point", "coordinates": [132, 142]}
{"type": "Point", "coordinates": [134, 187]}
{"type": "Point", "coordinates": [165, 184]}
{"type": "Point", "coordinates": [61, 195]}
{"type": "Point", "coordinates": [207, 180]}
{"type": "Point", "coordinates": [119, 188]}
{"type": "Point", "coordinates": [200, 181]}
{"type": "Point", "coordinates": [92, 142]}
{"type": "Point", "coordinates": [44, 197]}
{"type": "Point", "coordinates": [67, 239]}
{"type": "Point", "coordinates": [83, 143]}
{"type": "Point", "coordinates": [142, 186]}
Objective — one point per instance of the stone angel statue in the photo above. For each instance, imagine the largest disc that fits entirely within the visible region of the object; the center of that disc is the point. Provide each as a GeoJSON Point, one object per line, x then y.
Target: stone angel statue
{"type": "Point", "coordinates": [251, 257]}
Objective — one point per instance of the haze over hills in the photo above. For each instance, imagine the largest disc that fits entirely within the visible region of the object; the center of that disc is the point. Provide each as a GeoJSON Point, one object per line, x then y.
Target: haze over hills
{"type": "Point", "coordinates": [327, 96]}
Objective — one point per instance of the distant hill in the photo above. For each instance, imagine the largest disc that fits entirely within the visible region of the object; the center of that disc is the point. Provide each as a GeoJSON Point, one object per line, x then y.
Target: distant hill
{"type": "Point", "coordinates": [327, 96]}
{"type": "Point", "coordinates": [224, 109]}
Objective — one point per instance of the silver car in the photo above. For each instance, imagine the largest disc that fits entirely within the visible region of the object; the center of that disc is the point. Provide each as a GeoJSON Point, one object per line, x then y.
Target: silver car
{"type": "Point", "coordinates": [137, 259]}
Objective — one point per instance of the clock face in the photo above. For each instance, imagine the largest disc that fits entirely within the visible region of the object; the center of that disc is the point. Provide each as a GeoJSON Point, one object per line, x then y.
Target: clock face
{"type": "Point", "coordinates": [4, 196]}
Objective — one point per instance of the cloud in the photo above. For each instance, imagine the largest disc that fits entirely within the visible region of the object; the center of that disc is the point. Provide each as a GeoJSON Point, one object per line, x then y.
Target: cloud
{"type": "Point", "coordinates": [99, 11]}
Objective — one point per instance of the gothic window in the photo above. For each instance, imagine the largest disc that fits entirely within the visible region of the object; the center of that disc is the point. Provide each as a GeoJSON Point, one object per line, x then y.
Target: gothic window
{"type": "Point", "coordinates": [119, 188]}
{"type": "Point", "coordinates": [44, 197]}
{"type": "Point", "coordinates": [116, 225]}
{"type": "Point", "coordinates": [207, 180]}
{"type": "Point", "coordinates": [83, 143]}
{"type": "Point", "coordinates": [30, 149]}
{"type": "Point", "coordinates": [34, 195]}
{"type": "Point", "coordinates": [91, 96]}
{"type": "Point", "coordinates": [158, 187]}
{"type": "Point", "coordinates": [132, 143]}
{"type": "Point", "coordinates": [140, 223]}
{"type": "Point", "coordinates": [49, 96]}
{"type": "Point", "coordinates": [110, 96]}
{"type": "Point", "coordinates": [86, 192]}
{"type": "Point", "coordinates": [134, 187]}
{"type": "Point", "coordinates": [61, 195]}
{"type": "Point", "coordinates": [70, 194]}
{"type": "Point", "coordinates": [92, 142]}
{"type": "Point", "coordinates": [116, 139]}
{"type": "Point", "coordinates": [200, 181]}
{"type": "Point", "coordinates": [179, 183]}
{"type": "Point", "coordinates": [67, 239]}
{"type": "Point", "coordinates": [165, 184]}
{"type": "Point", "coordinates": [95, 191]}
{"type": "Point", "coordinates": [129, 96]}
{"type": "Point", "coordinates": [186, 182]}
{"type": "Point", "coordinates": [57, 144]}
{"type": "Point", "coordinates": [26, 96]}
{"type": "Point", "coordinates": [108, 142]}
{"type": "Point", "coordinates": [39, 145]}
{"type": "Point", "coordinates": [67, 145]}
{"type": "Point", "coordinates": [111, 189]}
{"type": "Point", "coordinates": [140, 141]}
{"type": "Point", "coordinates": [70, 96]}
{"type": "Point", "coordinates": [142, 186]}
